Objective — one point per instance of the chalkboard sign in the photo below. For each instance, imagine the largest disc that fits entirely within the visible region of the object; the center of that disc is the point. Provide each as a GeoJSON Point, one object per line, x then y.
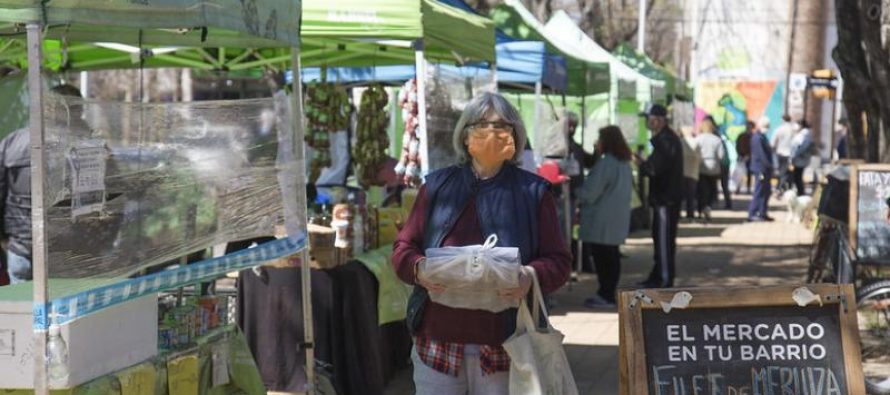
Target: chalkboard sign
{"type": "Point", "coordinates": [869, 228]}
{"type": "Point", "coordinates": [751, 341]}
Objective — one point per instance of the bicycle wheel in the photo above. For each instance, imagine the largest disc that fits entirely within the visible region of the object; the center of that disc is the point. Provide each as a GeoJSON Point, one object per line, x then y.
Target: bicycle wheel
{"type": "Point", "coordinates": [874, 335]}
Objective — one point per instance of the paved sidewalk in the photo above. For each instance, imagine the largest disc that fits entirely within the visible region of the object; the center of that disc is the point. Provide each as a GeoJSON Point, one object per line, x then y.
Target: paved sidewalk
{"type": "Point", "coordinates": [726, 252]}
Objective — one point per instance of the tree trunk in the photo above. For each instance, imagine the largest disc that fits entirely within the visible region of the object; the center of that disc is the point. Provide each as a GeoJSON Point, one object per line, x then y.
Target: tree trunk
{"type": "Point", "coordinates": [863, 60]}
{"type": "Point", "coordinates": [808, 53]}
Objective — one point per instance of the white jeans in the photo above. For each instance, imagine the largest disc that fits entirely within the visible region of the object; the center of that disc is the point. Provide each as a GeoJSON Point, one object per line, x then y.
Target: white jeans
{"type": "Point", "coordinates": [470, 380]}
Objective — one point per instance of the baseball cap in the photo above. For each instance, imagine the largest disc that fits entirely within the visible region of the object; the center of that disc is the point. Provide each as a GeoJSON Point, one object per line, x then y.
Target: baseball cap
{"type": "Point", "coordinates": [656, 110]}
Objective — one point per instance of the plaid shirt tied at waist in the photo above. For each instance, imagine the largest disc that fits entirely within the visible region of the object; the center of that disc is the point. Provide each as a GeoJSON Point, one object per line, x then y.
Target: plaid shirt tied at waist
{"type": "Point", "coordinates": [446, 357]}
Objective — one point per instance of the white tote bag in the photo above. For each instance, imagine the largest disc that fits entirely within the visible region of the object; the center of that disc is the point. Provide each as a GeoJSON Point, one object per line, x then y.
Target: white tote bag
{"type": "Point", "coordinates": [538, 363]}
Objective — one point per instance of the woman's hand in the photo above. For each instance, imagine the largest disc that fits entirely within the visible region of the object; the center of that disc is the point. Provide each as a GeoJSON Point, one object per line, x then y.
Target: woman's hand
{"type": "Point", "coordinates": [431, 287]}
{"type": "Point", "coordinates": [525, 283]}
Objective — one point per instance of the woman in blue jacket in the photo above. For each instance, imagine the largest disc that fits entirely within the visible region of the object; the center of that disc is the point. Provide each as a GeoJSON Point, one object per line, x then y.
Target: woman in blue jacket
{"type": "Point", "coordinates": [605, 211]}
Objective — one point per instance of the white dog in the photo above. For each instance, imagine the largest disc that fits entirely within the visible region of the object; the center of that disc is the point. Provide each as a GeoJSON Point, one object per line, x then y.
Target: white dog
{"type": "Point", "coordinates": [796, 205]}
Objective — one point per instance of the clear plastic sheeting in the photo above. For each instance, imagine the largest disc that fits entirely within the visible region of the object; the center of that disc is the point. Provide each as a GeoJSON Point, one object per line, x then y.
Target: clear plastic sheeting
{"type": "Point", "coordinates": [448, 91]}
{"type": "Point", "coordinates": [135, 185]}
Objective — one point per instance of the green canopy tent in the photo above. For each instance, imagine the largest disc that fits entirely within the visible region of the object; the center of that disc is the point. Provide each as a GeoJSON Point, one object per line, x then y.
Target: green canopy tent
{"type": "Point", "coordinates": [348, 33]}
{"type": "Point", "coordinates": [629, 87]}
{"type": "Point", "coordinates": [646, 66]}
{"type": "Point", "coordinates": [194, 23]}
{"type": "Point", "coordinates": [585, 77]}
{"type": "Point", "coordinates": [364, 33]}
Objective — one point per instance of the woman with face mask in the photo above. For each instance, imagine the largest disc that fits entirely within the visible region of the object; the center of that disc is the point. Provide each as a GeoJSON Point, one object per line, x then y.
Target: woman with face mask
{"type": "Point", "coordinates": [459, 351]}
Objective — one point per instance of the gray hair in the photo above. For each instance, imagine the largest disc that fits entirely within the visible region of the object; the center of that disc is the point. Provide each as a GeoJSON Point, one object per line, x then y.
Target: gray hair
{"type": "Point", "coordinates": [481, 106]}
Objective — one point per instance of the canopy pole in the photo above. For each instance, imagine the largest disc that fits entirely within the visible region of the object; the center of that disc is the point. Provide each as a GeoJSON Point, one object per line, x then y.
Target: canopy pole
{"type": "Point", "coordinates": [494, 76]}
{"type": "Point", "coordinates": [305, 272]}
{"type": "Point", "coordinates": [38, 229]}
{"type": "Point", "coordinates": [537, 121]}
{"type": "Point", "coordinates": [420, 66]}
{"type": "Point", "coordinates": [641, 32]}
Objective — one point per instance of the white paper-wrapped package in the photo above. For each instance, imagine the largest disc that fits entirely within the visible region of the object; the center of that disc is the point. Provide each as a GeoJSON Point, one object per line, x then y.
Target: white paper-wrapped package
{"type": "Point", "coordinates": [472, 275]}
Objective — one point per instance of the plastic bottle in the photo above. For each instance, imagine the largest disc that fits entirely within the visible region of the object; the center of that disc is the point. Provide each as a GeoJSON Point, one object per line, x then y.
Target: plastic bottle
{"type": "Point", "coordinates": [57, 351]}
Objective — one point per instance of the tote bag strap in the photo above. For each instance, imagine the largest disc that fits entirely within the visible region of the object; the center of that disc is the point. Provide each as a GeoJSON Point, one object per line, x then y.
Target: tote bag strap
{"type": "Point", "coordinates": [538, 305]}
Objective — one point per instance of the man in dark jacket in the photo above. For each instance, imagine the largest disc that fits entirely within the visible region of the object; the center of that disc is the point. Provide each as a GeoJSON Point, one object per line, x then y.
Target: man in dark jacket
{"type": "Point", "coordinates": [665, 171]}
{"type": "Point", "coordinates": [15, 195]}
{"type": "Point", "coordinates": [762, 170]}
{"type": "Point", "coordinates": [743, 149]}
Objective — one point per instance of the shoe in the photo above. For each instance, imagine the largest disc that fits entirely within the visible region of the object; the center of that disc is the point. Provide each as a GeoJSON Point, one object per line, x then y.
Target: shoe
{"type": "Point", "coordinates": [598, 302]}
{"type": "Point", "coordinates": [707, 214]}
{"type": "Point", "coordinates": [768, 219]}
{"type": "Point", "coordinates": [755, 219]}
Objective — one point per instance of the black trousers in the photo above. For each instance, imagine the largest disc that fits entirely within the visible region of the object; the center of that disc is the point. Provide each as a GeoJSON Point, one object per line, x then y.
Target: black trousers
{"type": "Point", "coordinates": [607, 260]}
{"type": "Point", "coordinates": [724, 186]}
{"type": "Point", "coordinates": [664, 236]}
{"type": "Point", "coordinates": [784, 176]}
{"type": "Point", "coordinates": [798, 181]}
{"type": "Point", "coordinates": [707, 191]}
{"type": "Point", "coordinates": [690, 189]}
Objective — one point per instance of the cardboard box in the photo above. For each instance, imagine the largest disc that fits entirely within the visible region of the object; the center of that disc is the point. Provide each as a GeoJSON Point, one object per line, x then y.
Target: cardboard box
{"type": "Point", "coordinates": [103, 342]}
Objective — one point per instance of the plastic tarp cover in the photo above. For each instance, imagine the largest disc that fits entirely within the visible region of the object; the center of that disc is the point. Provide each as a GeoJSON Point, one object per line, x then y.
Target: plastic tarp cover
{"type": "Point", "coordinates": [448, 91]}
{"type": "Point", "coordinates": [255, 23]}
{"type": "Point", "coordinates": [133, 185]}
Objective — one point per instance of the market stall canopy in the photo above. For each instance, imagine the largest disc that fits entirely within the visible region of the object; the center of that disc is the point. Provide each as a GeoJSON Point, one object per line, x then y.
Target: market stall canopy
{"type": "Point", "coordinates": [359, 32]}
{"type": "Point", "coordinates": [561, 27]}
{"type": "Point", "coordinates": [524, 62]}
{"type": "Point", "coordinates": [584, 77]}
{"type": "Point", "coordinates": [519, 62]}
{"type": "Point", "coordinates": [91, 34]}
{"type": "Point", "coordinates": [194, 23]}
{"type": "Point", "coordinates": [648, 67]}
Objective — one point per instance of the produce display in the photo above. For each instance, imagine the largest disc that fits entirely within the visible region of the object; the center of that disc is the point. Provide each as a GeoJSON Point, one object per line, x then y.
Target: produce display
{"type": "Point", "coordinates": [180, 325]}
{"type": "Point", "coordinates": [369, 151]}
{"type": "Point", "coordinates": [409, 162]}
{"type": "Point", "coordinates": [327, 110]}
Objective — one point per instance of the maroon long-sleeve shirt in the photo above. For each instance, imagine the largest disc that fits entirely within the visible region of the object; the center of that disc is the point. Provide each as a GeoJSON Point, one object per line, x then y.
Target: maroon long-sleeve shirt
{"type": "Point", "coordinates": [552, 267]}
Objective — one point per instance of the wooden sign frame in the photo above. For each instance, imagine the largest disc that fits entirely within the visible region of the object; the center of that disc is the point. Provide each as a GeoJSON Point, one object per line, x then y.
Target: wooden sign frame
{"type": "Point", "coordinates": [854, 198]}
{"type": "Point", "coordinates": [633, 371]}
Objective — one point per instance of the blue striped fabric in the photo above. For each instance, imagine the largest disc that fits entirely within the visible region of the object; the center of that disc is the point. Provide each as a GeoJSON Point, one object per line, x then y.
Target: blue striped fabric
{"type": "Point", "coordinates": [70, 307]}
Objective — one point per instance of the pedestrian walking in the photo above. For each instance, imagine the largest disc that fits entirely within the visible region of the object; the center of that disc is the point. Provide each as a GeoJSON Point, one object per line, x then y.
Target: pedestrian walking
{"type": "Point", "coordinates": [743, 165]}
{"type": "Point", "coordinates": [762, 169]}
{"type": "Point", "coordinates": [710, 148]}
{"type": "Point", "coordinates": [691, 164]}
{"type": "Point", "coordinates": [803, 149]}
{"type": "Point", "coordinates": [459, 351]}
{"type": "Point", "coordinates": [710, 124]}
{"type": "Point", "coordinates": [665, 171]}
{"type": "Point", "coordinates": [781, 144]}
{"type": "Point", "coordinates": [843, 128]}
{"type": "Point", "coordinates": [605, 212]}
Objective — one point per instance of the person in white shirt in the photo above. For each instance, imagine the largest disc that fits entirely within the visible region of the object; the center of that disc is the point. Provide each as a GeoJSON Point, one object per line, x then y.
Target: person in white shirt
{"type": "Point", "coordinates": [781, 143]}
{"type": "Point", "coordinates": [710, 149]}
{"type": "Point", "coordinates": [802, 150]}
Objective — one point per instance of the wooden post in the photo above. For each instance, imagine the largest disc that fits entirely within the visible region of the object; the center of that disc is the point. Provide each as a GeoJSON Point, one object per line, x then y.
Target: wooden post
{"type": "Point", "coordinates": [38, 228]}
